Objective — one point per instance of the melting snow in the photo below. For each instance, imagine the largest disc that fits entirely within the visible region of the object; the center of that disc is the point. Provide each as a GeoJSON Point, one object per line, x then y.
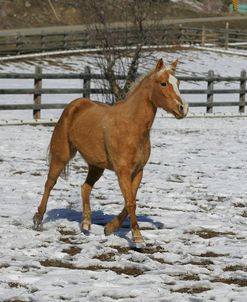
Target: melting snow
{"type": "Point", "coordinates": [192, 210]}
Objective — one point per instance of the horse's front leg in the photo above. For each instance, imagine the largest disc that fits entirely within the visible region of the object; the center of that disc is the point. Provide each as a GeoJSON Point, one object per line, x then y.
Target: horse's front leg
{"type": "Point", "coordinates": [125, 182]}
{"type": "Point", "coordinates": [116, 223]}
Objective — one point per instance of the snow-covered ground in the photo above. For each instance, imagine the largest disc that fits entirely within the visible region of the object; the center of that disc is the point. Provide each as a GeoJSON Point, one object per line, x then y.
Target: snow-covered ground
{"type": "Point", "coordinates": [192, 209]}
{"type": "Point", "coordinates": [192, 206]}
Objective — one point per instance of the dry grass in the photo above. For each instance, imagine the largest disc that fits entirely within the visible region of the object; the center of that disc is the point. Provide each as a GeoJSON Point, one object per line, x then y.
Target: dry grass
{"type": "Point", "coordinates": [207, 233]}
{"type": "Point", "coordinates": [191, 290]}
{"type": "Point", "coordinates": [148, 249]}
{"type": "Point", "coordinates": [212, 254]}
{"type": "Point", "coordinates": [105, 256]}
{"type": "Point", "coordinates": [130, 271]}
{"type": "Point", "coordinates": [235, 281]}
{"type": "Point", "coordinates": [234, 268]}
{"type": "Point", "coordinates": [189, 277]}
{"type": "Point", "coordinates": [72, 251]}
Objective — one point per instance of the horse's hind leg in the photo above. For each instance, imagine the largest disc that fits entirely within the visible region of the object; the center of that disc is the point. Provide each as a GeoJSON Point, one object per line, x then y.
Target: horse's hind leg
{"type": "Point", "coordinates": [94, 173]}
{"type": "Point", "coordinates": [56, 167]}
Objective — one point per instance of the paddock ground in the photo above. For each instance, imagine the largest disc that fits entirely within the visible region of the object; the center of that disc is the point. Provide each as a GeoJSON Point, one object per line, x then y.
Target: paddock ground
{"type": "Point", "coordinates": [192, 209]}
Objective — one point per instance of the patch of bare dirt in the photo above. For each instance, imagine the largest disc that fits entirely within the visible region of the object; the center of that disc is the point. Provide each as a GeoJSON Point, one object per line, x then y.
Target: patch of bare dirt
{"type": "Point", "coordinates": [191, 290]}
{"type": "Point", "coordinates": [234, 268]}
{"type": "Point", "coordinates": [105, 256]}
{"type": "Point", "coordinates": [212, 254]}
{"type": "Point", "coordinates": [200, 262]}
{"type": "Point", "coordinates": [118, 250]}
{"type": "Point", "coordinates": [131, 271]}
{"type": "Point", "coordinates": [4, 265]}
{"type": "Point", "coordinates": [207, 233]}
{"type": "Point", "coordinates": [189, 277]}
{"type": "Point", "coordinates": [72, 251]}
{"type": "Point", "coordinates": [69, 236]}
{"type": "Point", "coordinates": [244, 214]}
{"type": "Point", "coordinates": [57, 263]}
{"type": "Point", "coordinates": [235, 281]}
{"type": "Point", "coordinates": [128, 270]}
{"type": "Point", "coordinates": [148, 249]}
{"type": "Point", "coordinates": [67, 232]}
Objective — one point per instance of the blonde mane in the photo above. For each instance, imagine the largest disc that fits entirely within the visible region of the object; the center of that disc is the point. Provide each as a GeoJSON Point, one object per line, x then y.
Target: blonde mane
{"type": "Point", "coordinates": [141, 78]}
{"type": "Point", "coordinates": [138, 82]}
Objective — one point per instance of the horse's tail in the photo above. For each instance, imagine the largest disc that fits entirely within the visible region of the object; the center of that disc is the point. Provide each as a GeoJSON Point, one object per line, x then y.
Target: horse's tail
{"type": "Point", "coordinates": [60, 148]}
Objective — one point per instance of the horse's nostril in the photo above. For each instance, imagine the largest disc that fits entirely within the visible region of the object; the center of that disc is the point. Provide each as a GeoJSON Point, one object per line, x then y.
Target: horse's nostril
{"type": "Point", "coordinates": [181, 108]}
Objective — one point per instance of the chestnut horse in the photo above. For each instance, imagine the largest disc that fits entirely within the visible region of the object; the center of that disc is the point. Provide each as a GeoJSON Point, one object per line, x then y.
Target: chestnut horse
{"type": "Point", "coordinates": [113, 137]}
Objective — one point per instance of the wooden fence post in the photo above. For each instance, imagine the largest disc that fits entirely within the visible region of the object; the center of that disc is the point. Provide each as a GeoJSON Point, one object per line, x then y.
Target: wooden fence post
{"type": "Point", "coordinates": [65, 34]}
{"type": "Point", "coordinates": [87, 40]}
{"type": "Point", "coordinates": [210, 91]}
{"type": "Point", "coordinates": [87, 82]}
{"type": "Point", "coordinates": [203, 36]}
{"type": "Point", "coordinates": [181, 34]}
{"type": "Point", "coordinates": [37, 94]}
{"type": "Point", "coordinates": [227, 35]}
{"type": "Point", "coordinates": [242, 94]}
{"type": "Point", "coordinates": [42, 40]}
{"type": "Point", "coordinates": [18, 43]}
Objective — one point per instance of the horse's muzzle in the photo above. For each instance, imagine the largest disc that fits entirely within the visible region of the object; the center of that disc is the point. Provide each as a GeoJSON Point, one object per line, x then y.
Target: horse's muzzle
{"type": "Point", "coordinates": [183, 109]}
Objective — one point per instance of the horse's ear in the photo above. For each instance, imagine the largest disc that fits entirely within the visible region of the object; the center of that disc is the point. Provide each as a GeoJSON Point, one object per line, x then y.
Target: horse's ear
{"type": "Point", "coordinates": [159, 65]}
{"type": "Point", "coordinates": [173, 66]}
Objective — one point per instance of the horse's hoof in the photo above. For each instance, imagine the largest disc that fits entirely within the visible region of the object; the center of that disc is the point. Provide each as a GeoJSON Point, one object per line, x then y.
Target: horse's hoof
{"type": "Point", "coordinates": [38, 227]}
{"type": "Point", "coordinates": [85, 232]}
{"type": "Point", "coordinates": [86, 228]}
{"type": "Point", "coordinates": [138, 239]}
{"type": "Point", "coordinates": [139, 245]}
{"type": "Point", "coordinates": [37, 221]}
{"type": "Point", "coordinates": [108, 230]}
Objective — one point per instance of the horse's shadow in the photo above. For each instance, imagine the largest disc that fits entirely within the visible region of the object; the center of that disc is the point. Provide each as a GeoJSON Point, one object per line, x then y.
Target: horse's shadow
{"type": "Point", "coordinates": [98, 218]}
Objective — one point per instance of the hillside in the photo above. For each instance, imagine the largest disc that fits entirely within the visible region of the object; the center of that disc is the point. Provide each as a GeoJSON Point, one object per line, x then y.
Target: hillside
{"type": "Point", "coordinates": [32, 13]}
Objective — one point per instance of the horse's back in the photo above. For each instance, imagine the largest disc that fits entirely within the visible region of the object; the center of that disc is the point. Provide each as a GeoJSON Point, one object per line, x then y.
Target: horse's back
{"type": "Point", "coordinates": [81, 105]}
{"type": "Point", "coordinates": [85, 111]}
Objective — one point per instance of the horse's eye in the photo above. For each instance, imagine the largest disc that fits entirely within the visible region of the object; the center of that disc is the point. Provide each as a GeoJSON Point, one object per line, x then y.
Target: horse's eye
{"type": "Point", "coordinates": [163, 84]}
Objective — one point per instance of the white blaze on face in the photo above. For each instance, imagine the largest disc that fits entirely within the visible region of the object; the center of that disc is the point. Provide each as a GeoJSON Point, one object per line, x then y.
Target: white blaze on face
{"type": "Point", "coordinates": [172, 80]}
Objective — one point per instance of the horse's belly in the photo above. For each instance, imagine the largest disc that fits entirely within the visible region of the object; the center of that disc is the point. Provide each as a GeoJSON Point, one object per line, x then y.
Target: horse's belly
{"type": "Point", "coordinates": [95, 158]}
{"type": "Point", "coordinates": [90, 144]}
{"type": "Point", "coordinates": [92, 151]}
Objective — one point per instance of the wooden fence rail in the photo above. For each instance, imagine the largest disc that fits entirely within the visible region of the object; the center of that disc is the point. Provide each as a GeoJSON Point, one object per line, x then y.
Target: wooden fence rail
{"type": "Point", "coordinates": [86, 91]}
{"type": "Point", "coordinates": [22, 43]}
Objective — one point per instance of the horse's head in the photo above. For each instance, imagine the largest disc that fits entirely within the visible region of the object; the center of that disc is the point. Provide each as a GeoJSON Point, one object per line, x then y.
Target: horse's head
{"type": "Point", "coordinates": [165, 92]}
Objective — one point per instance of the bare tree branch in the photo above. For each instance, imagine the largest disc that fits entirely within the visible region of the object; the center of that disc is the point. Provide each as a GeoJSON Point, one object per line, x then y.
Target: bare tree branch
{"type": "Point", "coordinates": [122, 48]}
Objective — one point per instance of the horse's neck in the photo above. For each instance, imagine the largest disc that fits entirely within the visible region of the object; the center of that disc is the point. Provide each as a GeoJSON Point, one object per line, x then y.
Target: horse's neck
{"type": "Point", "coordinates": [139, 108]}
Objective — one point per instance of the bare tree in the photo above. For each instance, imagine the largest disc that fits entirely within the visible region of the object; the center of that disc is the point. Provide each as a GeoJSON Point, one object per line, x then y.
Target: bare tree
{"type": "Point", "coordinates": [121, 42]}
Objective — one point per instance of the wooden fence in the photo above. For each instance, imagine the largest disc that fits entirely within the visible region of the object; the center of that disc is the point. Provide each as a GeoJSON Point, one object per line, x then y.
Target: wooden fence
{"type": "Point", "coordinates": [25, 43]}
{"type": "Point", "coordinates": [86, 91]}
